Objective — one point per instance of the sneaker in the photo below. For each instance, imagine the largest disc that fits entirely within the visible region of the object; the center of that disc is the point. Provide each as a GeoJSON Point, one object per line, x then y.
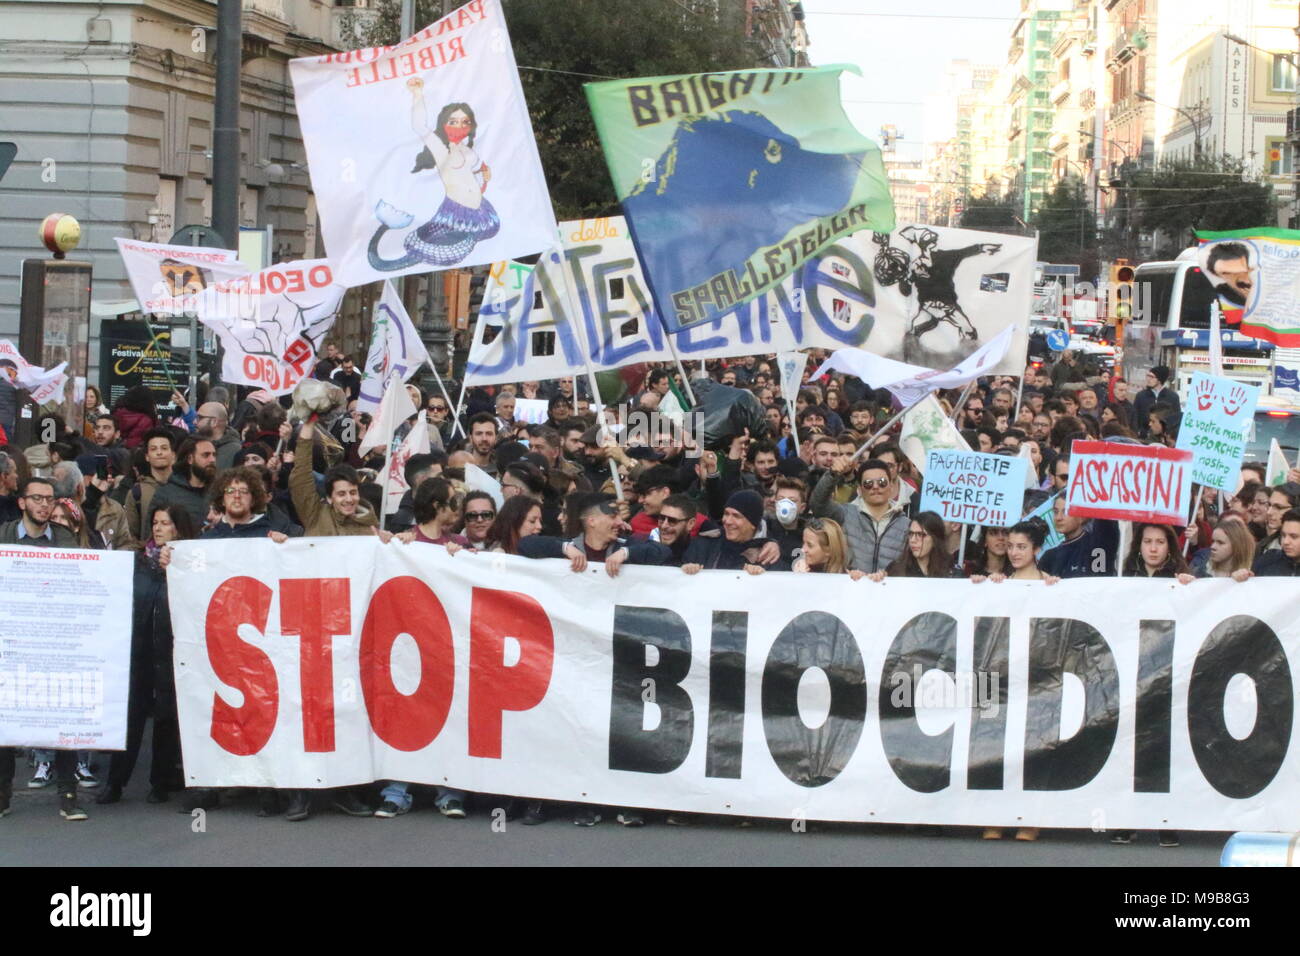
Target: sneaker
{"type": "Point", "coordinates": [4, 804]}
{"type": "Point", "coordinates": [586, 817]}
{"type": "Point", "coordinates": [85, 779]}
{"type": "Point", "coordinates": [992, 833]}
{"type": "Point", "coordinates": [452, 808]}
{"type": "Point", "coordinates": [388, 809]}
{"type": "Point", "coordinates": [111, 793]}
{"type": "Point", "coordinates": [41, 778]}
{"type": "Point", "coordinates": [68, 808]}
{"type": "Point", "coordinates": [1169, 838]}
{"type": "Point", "coordinates": [1027, 834]}
{"type": "Point", "coordinates": [346, 801]}
{"type": "Point", "coordinates": [535, 814]}
{"type": "Point", "coordinates": [1122, 837]}
{"type": "Point", "coordinates": [679, 820]}
{"type": "Point", "coordinates": [631, 818]}
{"type": "Point", "coordinates": [299, 807]}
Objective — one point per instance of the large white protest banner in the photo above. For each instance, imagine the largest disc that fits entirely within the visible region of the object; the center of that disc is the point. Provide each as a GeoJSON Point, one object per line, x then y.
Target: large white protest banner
{"type": "Point", "coordinates": [321, 663]}
{"type": "Point", "coordinates": [272, 322]}
{"type": "Point", "coordinates": [526, 328]}
{"type": "Point", "coordinates": [429, 138]}
{"type": "Point", "coordinates": [167, 279]}
{"type": "Point", "coordinates": [65, 648]}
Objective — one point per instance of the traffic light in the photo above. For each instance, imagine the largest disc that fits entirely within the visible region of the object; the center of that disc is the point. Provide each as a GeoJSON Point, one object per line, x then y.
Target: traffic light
{"type": "Point", "coordinates": [1120, 296]}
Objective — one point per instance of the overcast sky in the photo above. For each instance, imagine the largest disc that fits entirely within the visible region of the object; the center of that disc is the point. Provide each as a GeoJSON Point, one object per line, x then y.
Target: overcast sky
{"type": "Point", "coordinates": [903, 47]}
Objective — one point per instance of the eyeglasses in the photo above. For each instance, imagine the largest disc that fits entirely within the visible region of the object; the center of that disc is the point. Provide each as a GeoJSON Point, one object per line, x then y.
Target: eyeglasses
{"type": "Point", "coordinates": [40, 499]}
{"type": "Point", "coordinates": [1062, 476]}
{"type": "Point", "coordinates": [480, 515]}
{"type": "Point", "coordinates": [662, 518]}
{"type": "Point", "coordinates": [437, 408]}
{"type": "Point", "coordinates": [875, 482]}
{"type": "Point", "coordinates": [917, 535]}
{"type": "Point", "coordinates": [238, 492]}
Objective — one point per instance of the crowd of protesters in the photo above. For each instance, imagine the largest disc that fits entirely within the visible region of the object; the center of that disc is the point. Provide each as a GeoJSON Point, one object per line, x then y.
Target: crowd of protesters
{"type": "Point", "coordinates": [822, 487]}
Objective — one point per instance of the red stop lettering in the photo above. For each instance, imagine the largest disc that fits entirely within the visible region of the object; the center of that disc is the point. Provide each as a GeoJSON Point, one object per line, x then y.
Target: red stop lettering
{"type": "Point", "coordinates": [242, 730]}
{"type": "Point", "coordinates": [493, 687]}
{"type": "Point", "coordinates": [317, 610]}
{"type": "Point", "coordinates": [405, 605]}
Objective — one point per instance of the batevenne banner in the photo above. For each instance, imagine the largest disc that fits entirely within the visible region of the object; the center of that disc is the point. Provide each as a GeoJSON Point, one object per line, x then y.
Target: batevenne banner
{"type": "Point", "coordinates": [428, 140]}
{"type": "Point", "coordinates": [1090, 703]}
{"type": "Point", "coordinates": [732, 181]}
{"type": "Point", "coordinates": [871, 291]}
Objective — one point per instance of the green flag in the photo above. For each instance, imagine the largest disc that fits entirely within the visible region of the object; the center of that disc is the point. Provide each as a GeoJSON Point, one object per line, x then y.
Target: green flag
{"type": "Point", "coordinates": [731, 182]}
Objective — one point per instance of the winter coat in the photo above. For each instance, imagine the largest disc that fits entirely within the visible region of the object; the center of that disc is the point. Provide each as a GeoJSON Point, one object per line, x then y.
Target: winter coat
{"type": "Point", "coordinates": [317, 517]}
{"type": "Point", "coordinates": [179, 491]}
{"type": "Point", "coordinates": [133, 425]}
{"type": "Point", "coordinates": [870, 550]}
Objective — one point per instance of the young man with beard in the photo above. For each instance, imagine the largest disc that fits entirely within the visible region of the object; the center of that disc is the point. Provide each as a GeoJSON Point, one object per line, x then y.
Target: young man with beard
{"type": "Point", "coordinates": [677, 516]}
{"type": "Point", "coordinates": [159, 446]}
{"type": "Point", "coordinates": [482, 441]}
{"type": "Point", "coordinates": [190, 480]}
{"type": "Point", "coordinates": [240, 497]}
{"type": "Point", "coordinates": [213, 422]}
{"type": "Point", "coordinates": [34, 529]}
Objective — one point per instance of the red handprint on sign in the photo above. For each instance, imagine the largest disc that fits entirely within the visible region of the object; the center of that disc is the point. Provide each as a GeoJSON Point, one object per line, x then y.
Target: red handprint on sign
{"type": "Point", "coordinates": [1234, 400]}
{"type": "Point", "coordinates": [1204, 394]}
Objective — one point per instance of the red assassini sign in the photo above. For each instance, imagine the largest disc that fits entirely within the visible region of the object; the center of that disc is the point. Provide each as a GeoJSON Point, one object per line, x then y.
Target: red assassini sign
{"type": "Point", "coordinates": [1129, 482]}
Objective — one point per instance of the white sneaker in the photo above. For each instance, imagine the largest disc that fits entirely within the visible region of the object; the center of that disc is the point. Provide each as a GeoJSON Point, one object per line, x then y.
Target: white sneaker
{"type": "Point", "coordinates": [41, 778]}
{"type": "Point", "coordinates": [85, 779]}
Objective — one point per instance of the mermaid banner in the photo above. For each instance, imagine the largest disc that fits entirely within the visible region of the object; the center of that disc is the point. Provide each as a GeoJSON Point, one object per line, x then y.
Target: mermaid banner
{"type": "Point", "coordinates": [422, 155]}
{"type": "Point", "coordinates": [928, 296]}
{"type": "Point", "coordinates": [731, 182]}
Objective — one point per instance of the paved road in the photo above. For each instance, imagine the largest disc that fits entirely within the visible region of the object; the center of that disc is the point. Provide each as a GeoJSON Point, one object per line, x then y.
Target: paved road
{"type": "Point", "coordinates": [134, 833]}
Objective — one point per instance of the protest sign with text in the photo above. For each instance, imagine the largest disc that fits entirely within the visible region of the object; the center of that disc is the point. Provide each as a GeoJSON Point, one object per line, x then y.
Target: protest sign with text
{"type": "Point", "coordinates": [1216, 423]}
{"type": "Point", "coordinates": [497, 674]}
{"type": "Point", "coordinates": [65, 648]}
{"type": "Point", "coordinates": [272, 322]}
{"type": "Point", "coordinates": [167, 279]}
{"type": "Point", "coordinates": [1129, 482]}
{"type": "Point", "coordinates": [429, 140]}
{"type": "Point", "coordinates": [971, 487]}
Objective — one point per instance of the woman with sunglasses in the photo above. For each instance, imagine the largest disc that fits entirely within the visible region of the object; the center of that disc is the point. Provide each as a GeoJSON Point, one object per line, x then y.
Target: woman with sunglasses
{"type": "Point", "coordinates": [927, 554]}
{"type": "Point", "coordinates": [478, 511]}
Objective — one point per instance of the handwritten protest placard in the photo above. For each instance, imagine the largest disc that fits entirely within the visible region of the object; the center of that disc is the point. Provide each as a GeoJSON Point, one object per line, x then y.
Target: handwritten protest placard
{"type": "Point", "coordinates": [1129, 482]}
{"type": "Point", "coordinates": [1216, 423]}
{"type": "Point", "coordinates": [970, 487]}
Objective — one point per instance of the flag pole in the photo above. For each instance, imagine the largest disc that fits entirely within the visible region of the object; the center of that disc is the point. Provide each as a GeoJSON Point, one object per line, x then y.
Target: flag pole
{"type": "Point", "coordinates": [887, 426]}
{"type": "Point", "coordinates": [961, 404]}
{"type": "Point", "coordinates": [580, 323]}
{"type": "Point", "coordinates": [459, 402]}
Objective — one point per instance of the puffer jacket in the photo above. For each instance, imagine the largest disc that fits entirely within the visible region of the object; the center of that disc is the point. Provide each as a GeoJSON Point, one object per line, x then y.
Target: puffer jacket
{"type": "Point", "coordinates": [317, 517]}
{"type": "Point", "coordinates": [869, 550]}
{"type": "Point", "coordinates": [133, 425]}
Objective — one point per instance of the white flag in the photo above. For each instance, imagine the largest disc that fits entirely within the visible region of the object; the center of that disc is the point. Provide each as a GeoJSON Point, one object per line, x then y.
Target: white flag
{"type": "Point", "coordinates": [428, 140]}
{"type": "Point", "coordinates": [791, 366]}
{"type": "Point", "coordinates": [911, 383]}
{"type": "Point", "coordinates": [416, 442]}
{"type": "Point", "coordinates": [926, 428]}
{"type": "Point", "coordinates": [395, 408]}
{"type": "Point", "coordinates": [1277, 469]}
{"type": "Point", "coordinates": [395, 346]}
{"type": "Point", "coordinates": [480, 480]}
{"type": "Point", "coordinates": [167, 279]}
{"type": "Point", "coordinates": [272, 322]}
{"type": "Point", "coordinates": [41, 384]}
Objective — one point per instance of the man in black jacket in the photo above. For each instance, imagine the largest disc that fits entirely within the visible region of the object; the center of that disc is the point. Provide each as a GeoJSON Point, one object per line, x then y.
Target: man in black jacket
{"type": "Point", "coordinates": [1149, 396]}
{"type": "Point", "coordinates": [739, 545]}
{"type": "Point", "coordinates": [1285, 561]}
{"type": "Point", "coordinates": [34, 529]}
{"type": "Point", "coordinates": [239, 496]}
{"type": "Point", "coordinates": [190, 480]}
{"type": "Point", "coordinates": [599, 540]}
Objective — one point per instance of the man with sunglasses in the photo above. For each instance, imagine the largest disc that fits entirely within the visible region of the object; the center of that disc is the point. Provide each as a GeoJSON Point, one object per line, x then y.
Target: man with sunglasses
{"type": "Point", "coordinates": [34, 529]}
{"type": "Point", "coordinates": [439, 416]}
{"type": "Point", "coordinates": [874, 522]}
{"type": "Point", "coordinates": [677, 515]}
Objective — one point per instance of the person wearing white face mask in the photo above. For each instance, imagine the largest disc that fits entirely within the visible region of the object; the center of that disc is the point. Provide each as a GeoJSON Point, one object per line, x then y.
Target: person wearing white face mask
{"type": "Point", "coordinates": [785, 522]}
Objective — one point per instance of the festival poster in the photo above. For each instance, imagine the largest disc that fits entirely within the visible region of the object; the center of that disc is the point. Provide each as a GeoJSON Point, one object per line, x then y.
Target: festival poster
{"type": "Point", "coordinates": [422, 154]}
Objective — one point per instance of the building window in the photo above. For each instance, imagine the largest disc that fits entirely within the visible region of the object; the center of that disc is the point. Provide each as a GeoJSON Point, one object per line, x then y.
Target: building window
{"type": "Point", "coordinates": [1279, 157]}
{"type": "Point", "coordinates": [1284, 73]}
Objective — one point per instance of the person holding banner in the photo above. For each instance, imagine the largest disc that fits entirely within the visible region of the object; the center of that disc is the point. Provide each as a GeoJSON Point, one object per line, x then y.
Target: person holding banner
{"type": "Point", "coordinates": [825, 550]}
{"type": "Point", "coordinates": [990, 555]}
{"type": "Point", "coordinates": [1230, 554]}
{"type": "Point", "coordinates": [927, 554]}
{"type": "Point", "coordinates": [1023, 541]}
{"type": "Point", "coordinates": [1090, 547]}
{"type": "Point", "coordinates": [34, 529]}
{"type": "Point", "coordinates": [1154, 553]}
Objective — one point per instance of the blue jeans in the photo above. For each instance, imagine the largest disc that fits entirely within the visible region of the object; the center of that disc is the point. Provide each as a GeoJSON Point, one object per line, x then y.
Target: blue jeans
{"type": "Point", "coordinates": [399, 793]}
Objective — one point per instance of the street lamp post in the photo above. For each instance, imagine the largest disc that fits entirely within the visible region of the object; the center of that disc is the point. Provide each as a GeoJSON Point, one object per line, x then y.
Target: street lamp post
{"type": "Point", "coordinates": [1193, 118]}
